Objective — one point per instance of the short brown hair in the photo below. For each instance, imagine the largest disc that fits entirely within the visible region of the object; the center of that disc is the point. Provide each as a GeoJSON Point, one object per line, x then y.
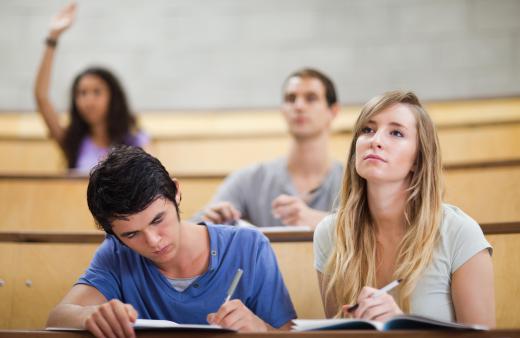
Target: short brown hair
{"type": "Point", "coordinates": [330, 89]}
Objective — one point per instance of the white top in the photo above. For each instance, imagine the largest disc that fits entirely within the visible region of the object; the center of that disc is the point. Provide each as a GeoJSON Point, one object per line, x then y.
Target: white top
{"type": "Point", "coordinates": [460, 239]}
{"type": "Point", "coordinates": [181, 284]}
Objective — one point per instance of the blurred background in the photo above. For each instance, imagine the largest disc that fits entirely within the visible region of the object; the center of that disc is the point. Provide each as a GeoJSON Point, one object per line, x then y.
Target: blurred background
{"type": "Point", "coordinates": [227, 54]}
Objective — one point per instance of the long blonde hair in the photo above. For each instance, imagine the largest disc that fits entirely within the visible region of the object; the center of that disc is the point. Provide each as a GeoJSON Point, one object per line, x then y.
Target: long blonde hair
{"type": "Point", "coordinates": [352, 263]}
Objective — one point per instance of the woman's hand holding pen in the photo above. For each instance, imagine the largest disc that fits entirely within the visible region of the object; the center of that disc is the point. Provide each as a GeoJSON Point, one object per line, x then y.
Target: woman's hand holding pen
{"type": "Point", "coordinates": [235, 315]}
{"type": "Point", "coordinates": [368, 307]}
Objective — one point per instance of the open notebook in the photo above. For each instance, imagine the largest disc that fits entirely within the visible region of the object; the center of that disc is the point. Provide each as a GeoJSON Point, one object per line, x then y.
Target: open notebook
{"type": "Point", "coordinates": [401, 322]}
{"type": "Point", "coordinates": [153, 324]}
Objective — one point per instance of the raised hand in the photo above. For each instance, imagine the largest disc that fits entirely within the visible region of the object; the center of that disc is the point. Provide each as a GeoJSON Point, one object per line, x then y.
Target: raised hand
{"type": "Point", "coordinates": [63, 20]}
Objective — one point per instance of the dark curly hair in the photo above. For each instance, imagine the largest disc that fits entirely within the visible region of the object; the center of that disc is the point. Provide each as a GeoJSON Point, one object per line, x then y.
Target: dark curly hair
{"type": "Point", "coordinates": [125, 183]}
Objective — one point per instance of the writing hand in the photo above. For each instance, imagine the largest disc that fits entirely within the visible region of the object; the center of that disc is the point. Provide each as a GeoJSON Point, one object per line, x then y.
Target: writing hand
{"type": "Point", "coordinates": [373, 308]}
{"type": "Point", "coordinates": [235, 315]}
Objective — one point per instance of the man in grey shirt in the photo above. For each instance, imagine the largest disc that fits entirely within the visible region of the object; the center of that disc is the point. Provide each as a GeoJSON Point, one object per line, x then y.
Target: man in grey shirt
{"type": "Point", "coordinates": [299, 189]}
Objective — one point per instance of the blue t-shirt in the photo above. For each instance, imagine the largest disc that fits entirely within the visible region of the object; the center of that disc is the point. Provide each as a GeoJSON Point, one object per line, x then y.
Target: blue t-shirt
{"type": "Point", "coordinates": [118, 272]}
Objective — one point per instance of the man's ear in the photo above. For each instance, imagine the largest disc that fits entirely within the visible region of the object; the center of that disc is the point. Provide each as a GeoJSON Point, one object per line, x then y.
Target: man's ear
{"type": "Point", "coordinates": [178, 196]}
{"type": "Point", "coordinates": [334, 110]}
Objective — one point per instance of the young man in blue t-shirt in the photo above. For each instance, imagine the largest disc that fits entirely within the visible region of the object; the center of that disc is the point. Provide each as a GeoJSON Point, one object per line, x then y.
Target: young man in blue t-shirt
{"type": "Point", "coordinates": [152, 265]}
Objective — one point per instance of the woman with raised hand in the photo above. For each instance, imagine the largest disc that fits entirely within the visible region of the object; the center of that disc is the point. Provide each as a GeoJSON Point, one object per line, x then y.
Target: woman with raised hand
{"type": "Point", "coordinates": [99, 114]}
{"type": "Point", "coordinates": [392, 224]}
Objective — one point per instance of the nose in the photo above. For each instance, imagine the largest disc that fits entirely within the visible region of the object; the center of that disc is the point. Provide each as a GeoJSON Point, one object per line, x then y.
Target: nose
{"type": "Point", "coordinates": [299, 104]}
{"type": "Point", "coordinates": [152, 237]}
{"type": "Point", "coordinates": [377, 140]}
{"type": "Point", "coordinates": [86, 100]}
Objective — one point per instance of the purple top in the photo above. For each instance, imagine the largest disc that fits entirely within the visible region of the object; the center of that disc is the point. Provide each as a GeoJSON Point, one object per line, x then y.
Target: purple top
{"type": "Point", "coordinates": [90, 154]}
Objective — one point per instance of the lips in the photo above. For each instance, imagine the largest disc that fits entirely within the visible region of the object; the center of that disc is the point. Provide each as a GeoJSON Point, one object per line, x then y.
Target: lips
{"type": "Point", "coordinates": [374, 157]}
{"type": "Point", "coordinates": [162, 250]}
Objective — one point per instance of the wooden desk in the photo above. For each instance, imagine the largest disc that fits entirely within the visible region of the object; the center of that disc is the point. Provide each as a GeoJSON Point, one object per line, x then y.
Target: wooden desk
{"type": "Point", "coordinates": [223, 141]}
{"type": "Point", "coordinates": [52, 261]}
{"type": "Point", "coordinates": [489, 192]}
{"type": "Point", "coordinates": [365, 334]}
{"type": "Point", "coordinates": [226, 153]}
{"type": "Point", "coordinates": [59, 201]}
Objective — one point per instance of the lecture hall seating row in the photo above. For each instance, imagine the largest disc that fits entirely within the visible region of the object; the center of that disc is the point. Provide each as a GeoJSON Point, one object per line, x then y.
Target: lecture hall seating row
{"type": "Point", "coordinates": [38, 268]}
{"type": "Point", "coordinates": [489, 192]}
{"type": "Point", "coordinates": [470, 131]}
{"type": "Point", "coordinates": [481, 151]}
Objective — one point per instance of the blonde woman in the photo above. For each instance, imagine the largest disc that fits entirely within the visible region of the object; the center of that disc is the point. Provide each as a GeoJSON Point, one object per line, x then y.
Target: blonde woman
{"type": "Point", "coordinates": [392, 224]}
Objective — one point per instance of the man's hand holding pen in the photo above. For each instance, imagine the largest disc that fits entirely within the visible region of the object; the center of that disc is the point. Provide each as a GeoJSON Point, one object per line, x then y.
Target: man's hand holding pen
{"type": "Point", "coordinates": [235, 315]}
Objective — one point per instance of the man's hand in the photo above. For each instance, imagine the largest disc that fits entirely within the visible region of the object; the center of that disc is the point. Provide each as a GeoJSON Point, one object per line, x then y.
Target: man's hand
{"type": "Point", "coordinates": [235, 315]}
{"type": "Point", "coordinates": [111, 319]}
{"type": "Point", "coordinates": [292, 210]}
{"type": "Point", "coordinates": [222, 213]}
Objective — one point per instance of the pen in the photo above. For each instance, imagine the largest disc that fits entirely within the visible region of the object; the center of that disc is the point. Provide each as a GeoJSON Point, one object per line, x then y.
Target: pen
{"type": "Point", "coordinates": [234, 284]}
{"type": "Point", "coordinates": [378, 293]}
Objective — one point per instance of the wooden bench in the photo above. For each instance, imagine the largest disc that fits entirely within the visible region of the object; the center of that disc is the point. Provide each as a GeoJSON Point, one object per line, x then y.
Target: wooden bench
{"type": "Point", "coordinates": [37, 269]}
{"type": "Point", "coordinates": [487, 191]}
{"type": "Point", "coordinates": [210, 143]}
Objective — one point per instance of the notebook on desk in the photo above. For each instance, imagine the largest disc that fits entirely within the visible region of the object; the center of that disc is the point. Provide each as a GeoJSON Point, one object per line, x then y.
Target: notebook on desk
{"type": "Point", "coordinates": [166, 325]}
{"type": "Point", "coordinates": [154, 324]}
{"type": "Point", "coordinates": [401, 322]}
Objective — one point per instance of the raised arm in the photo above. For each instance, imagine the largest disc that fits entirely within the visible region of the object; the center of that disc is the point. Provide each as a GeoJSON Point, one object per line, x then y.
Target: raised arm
{"type": "Point", "coordinates": [84, 307]}
{"type": "Point", "coordinates": [61, 22]}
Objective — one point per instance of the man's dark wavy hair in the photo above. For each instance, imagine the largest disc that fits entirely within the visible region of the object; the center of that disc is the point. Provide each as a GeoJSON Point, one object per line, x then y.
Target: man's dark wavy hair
{"type": "Point", "coordinates": [125, 183]}
{"type": "Point", "coordinates": [330, 88]}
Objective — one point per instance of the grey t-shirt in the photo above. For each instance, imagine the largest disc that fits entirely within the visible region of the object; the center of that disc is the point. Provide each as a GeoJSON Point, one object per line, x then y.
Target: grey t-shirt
{"type": "Point", "coordinates": [252, 190]}
{"type": "Point", "coordinates": [460, 239]}
{"type": "Point", "coordinates": [181, 284]}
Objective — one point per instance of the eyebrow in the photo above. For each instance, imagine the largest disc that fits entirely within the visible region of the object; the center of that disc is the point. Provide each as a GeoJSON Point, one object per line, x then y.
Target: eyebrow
{"type": "Point", "coordinates": [155, 219]}
{"type": "Point", "coordinates": [396, 124]}
{"type": "Point", "coordinates": [306, 93]}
